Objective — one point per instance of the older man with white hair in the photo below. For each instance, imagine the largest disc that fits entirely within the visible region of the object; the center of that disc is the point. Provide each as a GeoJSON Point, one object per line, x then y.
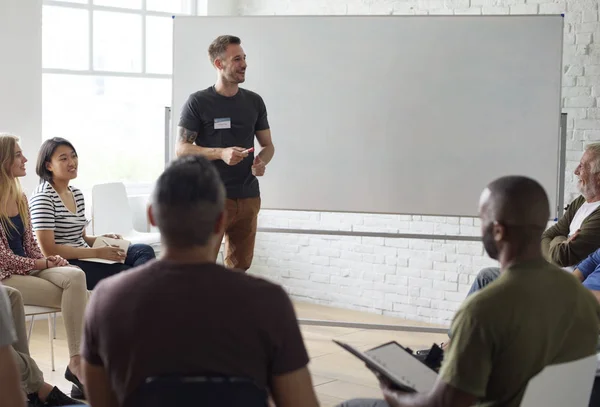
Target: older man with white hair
{"type": "Point", "coordinates": [577, 234]}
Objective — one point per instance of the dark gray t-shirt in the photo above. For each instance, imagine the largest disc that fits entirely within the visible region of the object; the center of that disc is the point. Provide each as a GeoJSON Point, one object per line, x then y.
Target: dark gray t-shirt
{"type": "Point", "coordinates": [237, 119]}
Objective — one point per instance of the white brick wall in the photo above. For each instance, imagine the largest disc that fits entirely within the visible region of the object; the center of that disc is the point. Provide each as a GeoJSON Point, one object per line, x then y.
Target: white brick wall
{"type": "Point", "coordinates": [417, 279]}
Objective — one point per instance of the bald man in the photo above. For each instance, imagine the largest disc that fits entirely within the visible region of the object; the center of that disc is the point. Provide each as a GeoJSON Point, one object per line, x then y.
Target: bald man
{"type": "Point", "coordinates": [535, 314]}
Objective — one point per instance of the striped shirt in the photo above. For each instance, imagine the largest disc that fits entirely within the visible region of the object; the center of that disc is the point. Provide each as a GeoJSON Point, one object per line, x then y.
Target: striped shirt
{"type": "Point", "coordinates": [48, 212]}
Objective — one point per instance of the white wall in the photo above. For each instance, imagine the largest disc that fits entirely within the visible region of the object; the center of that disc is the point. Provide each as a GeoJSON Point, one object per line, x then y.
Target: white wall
{"type": "Point", "coordinates": [221, 7]}
{"type": "Point", "coordinates": [416, 279]}
{"type": "Point", "coordinates": [21, 76]}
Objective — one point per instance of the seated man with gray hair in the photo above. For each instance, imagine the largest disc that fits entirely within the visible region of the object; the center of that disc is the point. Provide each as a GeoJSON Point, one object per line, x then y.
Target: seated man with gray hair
{"type": "Point", "coordinates": [577, 233]}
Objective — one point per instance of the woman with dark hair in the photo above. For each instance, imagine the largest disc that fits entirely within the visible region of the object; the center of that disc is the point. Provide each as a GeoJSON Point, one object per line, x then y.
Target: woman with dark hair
{"type": "Point", "coordinates": [59, 222]}
{"type": "Point", "coordinates": [44, 280]}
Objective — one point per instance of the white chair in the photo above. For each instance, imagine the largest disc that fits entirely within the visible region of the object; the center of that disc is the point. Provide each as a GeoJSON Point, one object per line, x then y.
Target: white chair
{"type": "Point", "coordinates": [562, 385]}
{"type": "Point", "coordinates": [32, 311]}
{"type": "Point", "coordinates": [111, 213]}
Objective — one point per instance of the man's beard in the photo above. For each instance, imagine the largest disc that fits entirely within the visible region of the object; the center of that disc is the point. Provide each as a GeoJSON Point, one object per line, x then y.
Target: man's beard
{"type": "Point", "coordinates": [488, 242]}
{"type": "Point", "coordinates": [588, 190]}
{"type": "Point", "coordinates": [233, 78]}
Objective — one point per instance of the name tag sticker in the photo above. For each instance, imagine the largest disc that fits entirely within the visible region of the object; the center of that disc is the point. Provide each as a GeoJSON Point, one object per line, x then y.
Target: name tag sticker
{"type": "Point", "coordinates": [223, 123]}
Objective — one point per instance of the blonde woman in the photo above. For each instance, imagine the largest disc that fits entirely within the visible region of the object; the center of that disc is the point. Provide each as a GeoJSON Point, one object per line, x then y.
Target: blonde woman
{"type": "Point", "coordinates": [46, 281]}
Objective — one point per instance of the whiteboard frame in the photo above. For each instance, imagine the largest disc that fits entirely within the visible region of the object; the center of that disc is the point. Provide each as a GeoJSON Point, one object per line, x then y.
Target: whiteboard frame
{"type": "Point", "coordinates": [561, 139]}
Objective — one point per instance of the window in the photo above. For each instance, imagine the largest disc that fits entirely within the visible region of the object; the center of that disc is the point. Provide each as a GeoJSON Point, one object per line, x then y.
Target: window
{"type": "Point", "coordinates": [115, 123]}
{"type": "Point", "coordinates": [117, 49]}
{"type": "Point", "coordinates": [159, 44]}
{"type": "Point", "coordinates": [106, 83]}
{"type": "Point", "coordinates": [65, 45]}
{"type": "Point", "coordinates": [134, 4]}
{"type": "Point", "coordinates": [170, 6]}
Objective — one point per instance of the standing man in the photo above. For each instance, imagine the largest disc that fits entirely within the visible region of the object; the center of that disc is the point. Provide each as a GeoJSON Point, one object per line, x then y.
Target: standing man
{"type": "Point", "coordinates": [220, 123]}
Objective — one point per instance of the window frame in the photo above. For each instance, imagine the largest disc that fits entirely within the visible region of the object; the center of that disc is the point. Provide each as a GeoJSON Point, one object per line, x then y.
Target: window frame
{"type": "Point", "coordinates": [133, 188]}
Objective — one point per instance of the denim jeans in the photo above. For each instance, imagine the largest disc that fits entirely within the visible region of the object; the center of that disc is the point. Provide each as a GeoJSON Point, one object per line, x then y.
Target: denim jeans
{"type": "Point", "coordinates": [137, 254]}
{"type": "Point", "coordinates": [484, 277]}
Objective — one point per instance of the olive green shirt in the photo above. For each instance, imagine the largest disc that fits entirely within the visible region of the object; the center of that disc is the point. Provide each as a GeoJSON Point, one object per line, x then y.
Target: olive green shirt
{"type": "Point", "coordinates": [554, 240]}
{"type": "Point", "coordinates": [535, 314]}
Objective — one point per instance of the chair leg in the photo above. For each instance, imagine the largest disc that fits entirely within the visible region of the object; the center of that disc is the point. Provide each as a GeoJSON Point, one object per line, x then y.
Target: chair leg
{"type": "Point", "coordinates": [51, 338]}
{"type": "Point", "coordinates": [30, 328]}
{"type": "Point", "coordinates": [54, 328]}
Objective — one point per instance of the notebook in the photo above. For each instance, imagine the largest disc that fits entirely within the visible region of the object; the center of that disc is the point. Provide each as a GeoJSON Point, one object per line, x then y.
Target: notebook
{"type": "Point", "coordinates": [102, 241]}
{"type": "Point", "coordinates": [397, 365]}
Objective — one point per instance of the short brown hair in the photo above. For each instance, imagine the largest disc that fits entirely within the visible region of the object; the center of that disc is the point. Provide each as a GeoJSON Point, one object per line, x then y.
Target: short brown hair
{"type": "Point", "coordinates": [219, 45]}
{"type": "Point", "coordinates": [190, 188]}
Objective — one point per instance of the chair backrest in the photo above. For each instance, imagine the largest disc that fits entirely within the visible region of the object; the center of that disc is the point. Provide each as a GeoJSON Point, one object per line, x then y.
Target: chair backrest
{"type": "Point", "coordinates": [562, 385]}
{"type": "Point", "coordinates": [208, 391]}
{"type": "Point", "coordinates": [111, 212]}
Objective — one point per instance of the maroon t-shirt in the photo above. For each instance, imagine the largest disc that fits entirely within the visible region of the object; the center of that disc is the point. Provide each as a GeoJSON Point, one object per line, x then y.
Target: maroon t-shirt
{"type": "Point", "coordinates": [167, 318]}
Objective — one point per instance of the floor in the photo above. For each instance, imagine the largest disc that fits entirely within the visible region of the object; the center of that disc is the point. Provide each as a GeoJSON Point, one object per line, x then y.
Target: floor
{"type": "Point", "coordinates": [337, 375]}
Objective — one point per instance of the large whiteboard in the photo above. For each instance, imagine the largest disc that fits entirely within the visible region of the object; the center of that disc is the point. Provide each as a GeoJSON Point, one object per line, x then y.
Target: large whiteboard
{"type": "Point", "coordinates": [392, 114]}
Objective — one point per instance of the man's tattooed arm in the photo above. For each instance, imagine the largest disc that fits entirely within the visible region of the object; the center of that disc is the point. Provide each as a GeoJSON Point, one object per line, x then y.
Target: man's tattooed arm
{"type": "Point", "coordinates": [186, 146]}
{"type": "Point", "coordinates": [187, 136]}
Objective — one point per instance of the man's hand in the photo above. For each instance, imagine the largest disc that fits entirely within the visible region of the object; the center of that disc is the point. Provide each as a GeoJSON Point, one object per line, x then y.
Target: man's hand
{"type": "Point", "coordinates": [258, 167]}
{"type": "Point", "coordinates": [442, 395]}
{"type": "Point", "coordinates": [573, 236]}
{"type": "Point", "coordinates": [233, 155]}
{"type": "Point", "coordinates": [391, 396]}
{"type": "Point", "coordinates": [390, 392]}
{"type": "Point", "coordinates": [56, 261]}
{"type": "Point", "coordinates": [384, 382]}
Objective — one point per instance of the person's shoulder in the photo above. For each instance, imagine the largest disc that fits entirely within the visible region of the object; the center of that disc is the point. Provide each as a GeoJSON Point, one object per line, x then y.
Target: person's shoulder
{"type": "Point", "coordinates": [483, 302]}
{"type": "Point", "coordinates": [203, 94]}
{"type": "Point", "coordinates": [43, 188]}
{"type": "Point", "coordinates": [511, 290]}
{"type": "Point", "coordinates": [248, 279]}
{"type": "Point", "coordinates": [76, 191]}
{"type": "Point", "coordinates": [575, 203]}
{"type": "Point", "coordinates": [118, 286]}
{"type": "Point", "coordinates": [138, 273]}
{"type": "Point", "coordinates": [259, 286]}
{"type": "Point", "coordinates": [43, 191]}
{"type": "Point", "coordinates": [250, 94]}
{"type": "Point", "coordinates": [551, 273]}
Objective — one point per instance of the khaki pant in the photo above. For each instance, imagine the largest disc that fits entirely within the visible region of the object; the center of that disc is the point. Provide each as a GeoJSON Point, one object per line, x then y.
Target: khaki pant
{"type": "Point", "coordinates": [240, 232]}
{"type": "Point", "coordinates": [59, 287]}
{"type": "Point", "coordinates": [32, 378]}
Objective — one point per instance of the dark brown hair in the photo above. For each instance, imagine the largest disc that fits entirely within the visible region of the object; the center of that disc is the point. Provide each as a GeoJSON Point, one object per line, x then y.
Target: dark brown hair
{"type": "Point", "coordinates": [219, 45]}
{"type": "Point", "coordinates": [187, 200]}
